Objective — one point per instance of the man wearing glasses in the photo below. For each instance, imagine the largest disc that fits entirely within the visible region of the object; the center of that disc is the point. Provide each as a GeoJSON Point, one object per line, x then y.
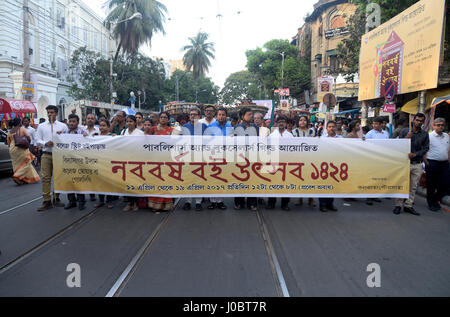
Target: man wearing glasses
{"type": "Point", "coordinates": [436, 165]}
{"type": "Point", "coordinates": [210, 114]}
{"type": "Point", "coordinates": [194, 127]}
{"type": "Point", "coordinates": [420, 144]}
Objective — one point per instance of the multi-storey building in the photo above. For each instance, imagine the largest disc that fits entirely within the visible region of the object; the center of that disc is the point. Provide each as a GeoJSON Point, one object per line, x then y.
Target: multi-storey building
{"type": "Point", "coordinates": [56, 29]}
{"type": "Point", "coordinates": [323, 30]}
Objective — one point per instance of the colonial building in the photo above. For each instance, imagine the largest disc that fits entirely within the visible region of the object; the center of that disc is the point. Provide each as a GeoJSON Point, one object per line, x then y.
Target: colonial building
{"type": "Point", "coordinates": [57, 28]}
{"type": "Point", "coordinates": [320, 35]}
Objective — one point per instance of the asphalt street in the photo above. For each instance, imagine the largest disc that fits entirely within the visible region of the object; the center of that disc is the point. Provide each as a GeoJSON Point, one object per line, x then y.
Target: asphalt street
{"type": "Point", "coordinates": [302, 252]}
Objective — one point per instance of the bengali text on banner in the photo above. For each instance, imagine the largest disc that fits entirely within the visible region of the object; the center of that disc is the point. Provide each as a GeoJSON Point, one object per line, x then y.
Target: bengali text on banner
{"type": "Point", "coordinates": [185, 166]}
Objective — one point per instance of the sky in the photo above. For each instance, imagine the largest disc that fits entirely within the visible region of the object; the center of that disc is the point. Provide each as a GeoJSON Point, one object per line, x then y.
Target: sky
{"type": "Point", "coordinates": [244, 25]}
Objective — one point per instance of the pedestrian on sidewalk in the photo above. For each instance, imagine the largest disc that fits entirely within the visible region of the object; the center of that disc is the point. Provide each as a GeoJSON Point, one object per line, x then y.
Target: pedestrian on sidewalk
{"type": "Point", "coordinates": [420, 144]}
{"type": "Point", "coordinates": [44, 138]}
{"type": "Point", "coordinates": [437, 166]}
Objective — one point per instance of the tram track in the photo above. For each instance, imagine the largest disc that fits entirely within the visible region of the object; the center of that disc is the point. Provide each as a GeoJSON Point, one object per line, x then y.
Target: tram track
{"type": "Point", "coordinates": [47, 241]}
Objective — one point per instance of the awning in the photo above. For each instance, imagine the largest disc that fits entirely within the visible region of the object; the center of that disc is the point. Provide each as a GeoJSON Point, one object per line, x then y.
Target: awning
{"type": "Point", "coordinates": [10, 109]}
{"type": "Point", "coordinates": [440, 100]}
{"type": "Point", "coordinates": [348, 111]}
{"type": "Point", "coordinates": [413, 105]}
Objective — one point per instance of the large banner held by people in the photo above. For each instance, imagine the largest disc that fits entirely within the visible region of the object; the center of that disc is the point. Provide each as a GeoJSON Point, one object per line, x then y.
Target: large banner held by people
{"type": "Point", "coordinates": [185, 166]}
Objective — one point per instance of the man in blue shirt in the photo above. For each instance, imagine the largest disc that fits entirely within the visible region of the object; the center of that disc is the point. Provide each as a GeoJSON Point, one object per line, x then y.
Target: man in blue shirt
{"type": "Point", "coordinates": [219, 128]}
{"type": "Point", "coordinates": [193, 127]}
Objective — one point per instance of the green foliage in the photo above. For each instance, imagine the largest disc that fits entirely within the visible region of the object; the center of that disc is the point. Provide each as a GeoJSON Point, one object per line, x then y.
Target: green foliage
{"type": "Point", "coordinates": [241, 85]}
{"type": "Point", "coordinates": [266, 65]}
{"type": "Point", "coordinates": [389, 8]}
{"type": "Point", "coordinates": [198, 54]}
{"type": "Point", "coordinates": [189, 88]}
{"type": "Point", "coordinates": [132, 34]}
{"type": "Point", "coordinates": [135, 73]}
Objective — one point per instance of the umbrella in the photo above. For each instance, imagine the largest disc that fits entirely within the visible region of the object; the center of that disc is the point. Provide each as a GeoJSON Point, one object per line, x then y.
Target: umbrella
{"type": "Point", "coordinates": [129, 111]}
{"type": "Point", "coordinates": [439, 100]}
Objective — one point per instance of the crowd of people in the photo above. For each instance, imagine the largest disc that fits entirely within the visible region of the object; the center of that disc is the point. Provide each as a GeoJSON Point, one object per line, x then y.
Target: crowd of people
{"type": "Point", "coordinates": [428, 150]}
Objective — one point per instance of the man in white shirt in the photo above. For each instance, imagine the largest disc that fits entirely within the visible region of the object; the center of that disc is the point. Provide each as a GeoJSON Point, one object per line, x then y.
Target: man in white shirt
{"type": "Point", "coordinates": [210, 114]}
{"type": "Point", "coordinates": [437, 166]}
{"type": "Point", "coordinates": [90, 128]}
{"type": "Point", "coordinates": [327, 203]}
{"type": "Point", "coordinates": [258, 120]}
{"type": "Point", "coordinates": [44, 138]}
{"type": "Point", "coordinates": [377, 132]}
{"type": "Point", "coordinates": [31, 132]}
{"type": "Point", "coordinates": [281, 132]}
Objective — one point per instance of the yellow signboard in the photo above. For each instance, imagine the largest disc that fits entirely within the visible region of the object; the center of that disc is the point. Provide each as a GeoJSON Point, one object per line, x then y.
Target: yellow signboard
{"type": "Point", "coordinates": [181, 166]}
{"type": "Point", "coordinates": [402, 55]}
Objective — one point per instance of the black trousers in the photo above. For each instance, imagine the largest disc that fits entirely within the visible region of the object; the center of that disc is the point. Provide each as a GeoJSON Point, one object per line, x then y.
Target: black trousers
{"type": "Point", "coordinates": [437, 181]}
{"type": "Point", "coordinates": [73, 198]}
{"type": "Point", "coordinates": [326, 202]}
{"type": "Point", "coordinates": [284, 201]}
{"type": "Point", "coordinates": [240, 201]}
{"type": "Point", "coordinates": [108, 198]}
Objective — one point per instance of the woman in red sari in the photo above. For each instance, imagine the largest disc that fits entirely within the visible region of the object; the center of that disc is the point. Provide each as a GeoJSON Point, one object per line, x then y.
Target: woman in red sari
{"type": "Point", "coordinates": [163, 128]}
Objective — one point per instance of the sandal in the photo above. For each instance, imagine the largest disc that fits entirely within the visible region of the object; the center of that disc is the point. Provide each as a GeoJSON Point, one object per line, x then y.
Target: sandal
{"type": "Point", "coordinates": [110, 206]}
{"type": "Point", "coordinates": [237, 207]}
{"type": "Point", "coordinates": [127, 208]}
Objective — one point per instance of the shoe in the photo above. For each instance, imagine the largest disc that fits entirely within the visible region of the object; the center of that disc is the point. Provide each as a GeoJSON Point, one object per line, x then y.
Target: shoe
{"type": "Point", "coordinates": [221, 206]}
{"type": "Point", "coordinates": [369, 202]}
{"type": "Point", "coordinates": [377, 200]}
{"type": "Point", "coordinates": [127, 207]}
{"type": "Point", "coordinates": [212, 206]}
{"type": "Point", "coordinates": [187, 206]}
{"type": "Point", "coordinates": [45, 206]}
{"type": "Point", "coordinates": [323, 209]}
{"type": "Point", "coordinates": [82, 206]}
{"type": "Point", "coordinates": [57, 203]}
{"type": "Point", "coordinates": [237, 207]}
{"type": "Point", "coordinates": [434, 208]}
{"type": "Point", "coordinates": [98, 205]}
{"type": "Point", "coordinates": [110, 206]}
{"type": "Point", "coordinates": [411, 211]}
{"type": "Point", "coordinates": [332, 208]}
{"type": "Point", "coordinates": [270, 207]}
{"type": "Point", "coordinates": [397, 210]}
{"type": "Point", "coordinates": [198, 207]}
{"type": "Point", "coordinates": [70, 205]}
{"type": "Point", "coordinates": [136, 208]}
{"type": "Point", "coordinates": [253, 208]}
{"type": "Point", "coordinates": [285, 208]}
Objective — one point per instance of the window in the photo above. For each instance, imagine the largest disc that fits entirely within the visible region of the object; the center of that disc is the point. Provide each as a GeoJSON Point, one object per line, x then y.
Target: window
{"type": "Point", "coordinates": [74, 30]}
{"type": "Point", "coordinates": [337, 22]}
{"type": "Point", "coordinates": [104, 48]}
{"type": "Point", "coordinates": [334, 63]}
{"type": "Point", "coordinates": [60, 20]}
{"type": "Point", "coordinates": [96, 41]}
{"type": "Point", "coordinates": [85, 34]}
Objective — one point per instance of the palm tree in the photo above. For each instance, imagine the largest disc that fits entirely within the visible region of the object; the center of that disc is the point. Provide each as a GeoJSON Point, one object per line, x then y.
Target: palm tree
{"type": "Point", "coordinates": [133, 33]}
{"type": "Point", "coordinates": [197, 54]}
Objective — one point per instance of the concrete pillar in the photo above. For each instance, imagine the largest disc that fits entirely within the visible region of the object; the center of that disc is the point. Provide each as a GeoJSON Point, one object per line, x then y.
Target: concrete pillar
{"type": "Point", "coordinates": [422, 101]}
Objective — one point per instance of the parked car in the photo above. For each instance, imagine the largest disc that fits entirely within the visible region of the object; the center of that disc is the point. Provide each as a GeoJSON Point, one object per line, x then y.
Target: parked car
{"type": "Point", "coordinates": [5, 159]}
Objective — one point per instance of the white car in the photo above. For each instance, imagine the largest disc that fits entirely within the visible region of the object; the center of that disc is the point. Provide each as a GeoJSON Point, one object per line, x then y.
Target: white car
{"type": "Point", "coordinates": [5, 159]}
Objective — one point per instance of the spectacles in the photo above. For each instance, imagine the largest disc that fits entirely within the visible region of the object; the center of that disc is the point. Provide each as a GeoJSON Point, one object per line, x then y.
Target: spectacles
{"type": "Point", "coordinates": [440, 125]}
{"type": "Point", "coordinates": [164, 117]}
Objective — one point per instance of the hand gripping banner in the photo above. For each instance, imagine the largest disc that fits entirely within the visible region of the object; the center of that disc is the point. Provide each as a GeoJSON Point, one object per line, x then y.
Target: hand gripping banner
{"type": "Point", "coordinates": [185, 166]}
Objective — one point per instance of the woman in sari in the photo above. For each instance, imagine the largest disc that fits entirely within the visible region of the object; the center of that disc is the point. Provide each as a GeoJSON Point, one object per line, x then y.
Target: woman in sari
{"type": "Point", "coordinates": [163, 128]}
{"type": "Point", "coordinates": [24, 172]}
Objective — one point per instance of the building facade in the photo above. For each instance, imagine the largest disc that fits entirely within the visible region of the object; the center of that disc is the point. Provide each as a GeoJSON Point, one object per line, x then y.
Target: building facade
{"type": "Point", "coordinates": [56, 29]}
{"type": "Point", "coordinates": [320, 35]}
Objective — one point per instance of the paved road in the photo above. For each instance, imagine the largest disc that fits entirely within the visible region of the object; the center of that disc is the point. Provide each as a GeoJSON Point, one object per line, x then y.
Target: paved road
{"type": "Point", "coordinates": [302, 252]}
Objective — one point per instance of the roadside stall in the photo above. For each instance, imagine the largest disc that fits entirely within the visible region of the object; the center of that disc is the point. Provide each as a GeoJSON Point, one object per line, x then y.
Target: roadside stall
{"type": "Point", "coordinates": [10, 109]}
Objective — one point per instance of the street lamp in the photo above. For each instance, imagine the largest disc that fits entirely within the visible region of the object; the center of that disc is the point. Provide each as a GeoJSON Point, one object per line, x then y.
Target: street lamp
{"type": "Point", "coordinates": [136, 15]}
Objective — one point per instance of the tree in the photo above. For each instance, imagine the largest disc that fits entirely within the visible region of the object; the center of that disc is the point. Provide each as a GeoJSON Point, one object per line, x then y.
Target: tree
{"type": "Point", "coordinates": [240, 85]}
{"type": "Point", "coordinates": [266, 64]}
{"type": "Point", "coordinates": [197, 55]}
{"type": "Point", "coordinates": [133, 74]}
{"type": "Point", "coordinates": [132, 34]}
{"type": "Point", "coordinates": [203, 89]}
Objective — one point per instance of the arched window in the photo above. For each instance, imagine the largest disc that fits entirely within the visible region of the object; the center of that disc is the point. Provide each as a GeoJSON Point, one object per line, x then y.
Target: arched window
{"type": "Point", "coordinates": [337, 22]}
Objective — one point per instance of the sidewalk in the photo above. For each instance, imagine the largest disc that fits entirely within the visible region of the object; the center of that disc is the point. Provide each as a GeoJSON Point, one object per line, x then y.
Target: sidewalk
{"type": "Point", "coordinates": [423, 192]}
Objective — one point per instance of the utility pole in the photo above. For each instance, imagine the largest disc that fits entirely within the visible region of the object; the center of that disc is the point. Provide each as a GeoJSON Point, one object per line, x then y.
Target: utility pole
{"type": "Point", "coordinates": [26, 47]}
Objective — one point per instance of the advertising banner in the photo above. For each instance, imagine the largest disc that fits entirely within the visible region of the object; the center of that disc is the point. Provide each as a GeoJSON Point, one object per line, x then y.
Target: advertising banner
{"type": "Point", "coordinates": [185, 166]}
{"type": "Point", "coordinates": [403, 54]}
{"type": "Point", "coordinates": [324, 86]}
{"type": "Point", "coordinates": [265, 103]}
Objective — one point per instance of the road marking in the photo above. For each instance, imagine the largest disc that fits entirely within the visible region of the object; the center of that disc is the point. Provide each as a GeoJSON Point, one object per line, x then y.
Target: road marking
{"type": "Point", "coordinates": [118, 286]}
{"type": "Point", "coordinates": [24, 204]}
{"type": "Point", "coordinates": [273, 257]}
